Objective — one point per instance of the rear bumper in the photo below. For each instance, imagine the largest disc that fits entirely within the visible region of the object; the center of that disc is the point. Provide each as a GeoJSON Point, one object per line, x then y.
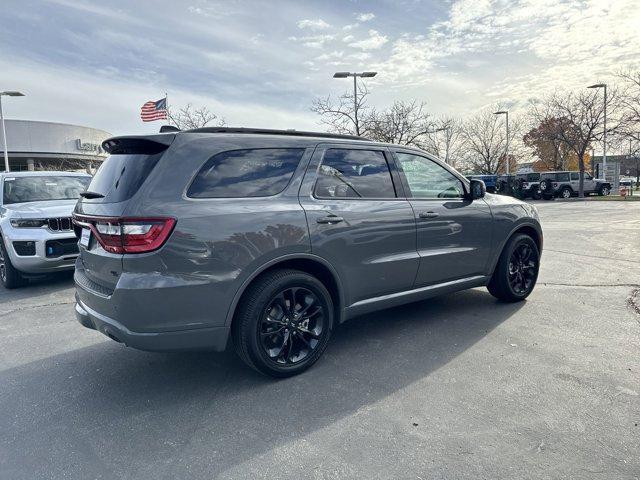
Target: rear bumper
{"type": "Point", "coordinates": [213, 338]}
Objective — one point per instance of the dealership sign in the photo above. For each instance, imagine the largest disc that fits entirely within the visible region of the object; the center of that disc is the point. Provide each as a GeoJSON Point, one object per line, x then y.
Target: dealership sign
{"type": "Point", "coordinates": [88, 147]}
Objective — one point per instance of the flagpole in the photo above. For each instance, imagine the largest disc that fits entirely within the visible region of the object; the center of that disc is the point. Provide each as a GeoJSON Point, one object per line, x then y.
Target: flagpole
{"type": "Point", "coordinates": [166, 106]}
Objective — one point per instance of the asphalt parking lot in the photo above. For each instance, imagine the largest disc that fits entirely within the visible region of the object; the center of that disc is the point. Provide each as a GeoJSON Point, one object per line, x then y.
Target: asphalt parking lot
{"type": "Point", "coordinates": [456, 387]}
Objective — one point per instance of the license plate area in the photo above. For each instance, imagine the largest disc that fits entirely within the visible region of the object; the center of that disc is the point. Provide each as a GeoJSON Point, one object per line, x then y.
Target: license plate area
{"type": "Point", "coordinates": [85, 237]}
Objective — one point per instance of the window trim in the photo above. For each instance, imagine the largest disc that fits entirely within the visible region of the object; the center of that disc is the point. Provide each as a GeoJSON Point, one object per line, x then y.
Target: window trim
{"type": "Point", "coordinates": [405, 182]}
{"type": "Point", "coordinates": [370, 148]}
{"type": "Point", "coordinates": [305, 150]}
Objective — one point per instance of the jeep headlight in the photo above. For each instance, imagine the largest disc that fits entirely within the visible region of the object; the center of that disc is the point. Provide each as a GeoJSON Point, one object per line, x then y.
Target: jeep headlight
{"type": "Point", "coordinates": [28, 222]}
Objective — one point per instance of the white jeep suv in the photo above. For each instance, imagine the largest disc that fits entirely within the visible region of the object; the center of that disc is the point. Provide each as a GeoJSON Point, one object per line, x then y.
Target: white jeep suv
{"type": "Point", "coordinates": [36, 232]}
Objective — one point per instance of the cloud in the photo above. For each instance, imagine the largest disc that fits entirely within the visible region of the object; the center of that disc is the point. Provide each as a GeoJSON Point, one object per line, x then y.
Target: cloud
{"type": "Point", "coordinates": [349, 38]}
{"type": "Point", "coordinates": [317, 24]}
{"type": "Point", "coordinates": [313, 41]}
{"type": "Point", "coordinates": [374, 42]}
{"type": "Point", "coordinates": [350, 26]}
{"type": "Point", "coordinates": [365, 17]}
{"type": "Point", "coordinates": [331, 55]}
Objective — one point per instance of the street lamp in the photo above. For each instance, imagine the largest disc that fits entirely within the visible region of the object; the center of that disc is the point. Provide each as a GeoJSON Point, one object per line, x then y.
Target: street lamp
{"type": "Point", "coordinates": [355, 90]}
{"type": "Point", "coordinates": [506, 147]}
{"type": "Point", "coordinates": [604, 136]}
{"type": "Point", "coordinates": [4, 132]}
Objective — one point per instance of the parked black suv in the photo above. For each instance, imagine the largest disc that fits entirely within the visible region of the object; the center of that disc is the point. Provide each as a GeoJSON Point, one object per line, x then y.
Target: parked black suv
{"type": "Point", "coordinates": [273, 237]}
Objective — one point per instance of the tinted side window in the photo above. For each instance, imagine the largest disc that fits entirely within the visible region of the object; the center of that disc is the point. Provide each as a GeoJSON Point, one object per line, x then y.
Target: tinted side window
{"type": "Point", "coordinates": [575, 176]}
{"type": "Point", "coordinates": [533, 177]}
{"type": "Point", "coordinates": [427, 179]}
{"type": "Point", "coordinates": [258, 172]}
{"type": "Point", "coordinates": [354, 174]}
{"type": "Point", "coordinates": [562, 177]}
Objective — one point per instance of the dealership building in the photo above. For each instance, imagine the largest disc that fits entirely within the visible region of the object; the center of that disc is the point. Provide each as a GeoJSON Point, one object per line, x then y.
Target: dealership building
{"type": "Point", "coordinates": [36, 145]}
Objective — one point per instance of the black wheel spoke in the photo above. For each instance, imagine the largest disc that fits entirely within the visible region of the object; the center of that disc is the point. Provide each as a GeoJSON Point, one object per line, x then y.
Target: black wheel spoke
{"type": "Point", "coordinates": [292, 325]}
{"type": "Point", "coordinates": [522, 268]}
{"type": "Point", "coordinates": [312, 334]}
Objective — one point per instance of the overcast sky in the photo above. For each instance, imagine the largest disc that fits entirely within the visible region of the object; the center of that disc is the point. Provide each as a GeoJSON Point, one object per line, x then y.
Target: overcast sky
{"type": "Point", "coordinates": [261, 64]}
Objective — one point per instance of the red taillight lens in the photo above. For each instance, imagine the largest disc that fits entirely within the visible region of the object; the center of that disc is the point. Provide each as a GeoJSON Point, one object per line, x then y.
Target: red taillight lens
{"type": "Point", "coordinates": [129, 235]}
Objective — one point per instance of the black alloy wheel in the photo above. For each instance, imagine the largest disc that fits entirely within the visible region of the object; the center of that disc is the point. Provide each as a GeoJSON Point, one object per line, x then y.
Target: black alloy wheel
{"type": "Point", "coordinates": [523, 266]}
{"type": "Point", "coordinates": [283, 323]}
{"type": "Point", "coordinates": [516, 272]}
{"type": "Point", "coordinates": [292, 326]}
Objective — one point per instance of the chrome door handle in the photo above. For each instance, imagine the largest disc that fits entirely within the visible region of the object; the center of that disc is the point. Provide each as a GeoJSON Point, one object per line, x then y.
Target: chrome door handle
{"type": "Point", "coordinates": [331, 219]}
{"type": "Point", "coordinates": [428, 214]}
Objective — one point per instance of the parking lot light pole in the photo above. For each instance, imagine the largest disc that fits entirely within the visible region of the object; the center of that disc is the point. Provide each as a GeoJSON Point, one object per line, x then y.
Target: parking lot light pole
{"type": "Point", "coordinates": [506, 147]}
{"type": "Point", "coordinates": [4, 131]}
{"type": "Point", "coordinates": [604, 134]}
{"type": "Point", "coordinates": [355, 90]}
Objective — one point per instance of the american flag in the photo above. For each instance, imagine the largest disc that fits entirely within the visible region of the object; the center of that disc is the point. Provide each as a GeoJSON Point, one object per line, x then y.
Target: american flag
{"type": "Point", "coordinates": [154, 110]}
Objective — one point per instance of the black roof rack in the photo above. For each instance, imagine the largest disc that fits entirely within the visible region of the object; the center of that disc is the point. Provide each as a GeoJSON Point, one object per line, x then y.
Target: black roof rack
{"type": "Point", "coordinates": [269, 131]}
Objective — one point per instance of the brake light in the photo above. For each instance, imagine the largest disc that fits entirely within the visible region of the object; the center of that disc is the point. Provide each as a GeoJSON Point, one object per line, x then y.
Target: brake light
{"type": "Point", "coordinates": [128, 235]}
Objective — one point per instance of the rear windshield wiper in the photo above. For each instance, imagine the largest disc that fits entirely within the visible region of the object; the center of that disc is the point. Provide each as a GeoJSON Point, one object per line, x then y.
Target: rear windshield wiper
{"type": "Point", "coordinates": [89, 194]}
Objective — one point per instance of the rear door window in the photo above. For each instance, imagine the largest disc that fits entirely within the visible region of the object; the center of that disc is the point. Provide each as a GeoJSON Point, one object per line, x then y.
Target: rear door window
{"type": "Point", "coordinates": [259, 172]}
{"type": "Point", "coordinates": [562, 177]}
{"type": "Point", "coordinates": [346, 173]}
{"type": "Point", "coordinates": [575, 176]}
{"type": "Point", "coordinates": [120, 176]}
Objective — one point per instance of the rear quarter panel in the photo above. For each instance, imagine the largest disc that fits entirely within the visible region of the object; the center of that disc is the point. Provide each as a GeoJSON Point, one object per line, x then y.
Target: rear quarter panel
{"type": "Point", "coordinates": [216, 244]}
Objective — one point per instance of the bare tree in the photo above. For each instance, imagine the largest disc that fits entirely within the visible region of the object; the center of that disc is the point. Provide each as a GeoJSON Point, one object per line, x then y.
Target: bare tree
{"type": "Point", "coordinates": [404, 123]}
{"type": "Point", "coordinates": [445, 141]}
{"type": "Point", "coordinates": [630, 105]}
{"type": "Point", "coordinates": [579, 121]}
{"type": "Point", "coordinates": [345, 114]}
{"type": "Point", "coordinates": [188, 117]}
{"type": "Point", "coordinates": [485, 141]}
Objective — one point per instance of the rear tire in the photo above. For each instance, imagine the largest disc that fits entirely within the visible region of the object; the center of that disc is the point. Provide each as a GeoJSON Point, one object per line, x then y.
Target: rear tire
{"type": "Point", "coordinates": [516, 273]}
{"type": "Point", "coordinates": [284, 323]}
{"type": "Point", "coordinates": [566, 192]}
{"type": "Point", "coordinates": [10, 276]}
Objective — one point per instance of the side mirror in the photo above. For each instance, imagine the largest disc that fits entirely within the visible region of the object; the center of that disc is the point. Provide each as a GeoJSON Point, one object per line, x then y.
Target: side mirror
{"type": "Point", "coordinates": [477, 189]}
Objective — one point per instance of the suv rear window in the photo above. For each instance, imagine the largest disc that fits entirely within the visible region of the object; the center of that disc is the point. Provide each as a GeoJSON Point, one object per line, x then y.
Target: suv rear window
{"type": "Point", "coordinates": [120, 176]}
{"type": "Point", "coordinates": [260, 172]}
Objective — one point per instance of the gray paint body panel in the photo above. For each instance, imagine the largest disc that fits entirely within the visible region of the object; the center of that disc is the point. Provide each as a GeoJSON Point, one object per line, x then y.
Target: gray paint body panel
{"type": "Point", "coordinates": [194, 282]}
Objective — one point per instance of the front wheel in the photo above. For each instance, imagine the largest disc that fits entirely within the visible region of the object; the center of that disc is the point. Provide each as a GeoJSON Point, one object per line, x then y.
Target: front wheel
{"type": "Point", "coordinates": [284, 323]}
{"type": "Point", "coordinates": [9, 275]}
{"type": "Point", "coordinates": [604, 191]}
{"type": "Point", "coordinates": [517, 270]}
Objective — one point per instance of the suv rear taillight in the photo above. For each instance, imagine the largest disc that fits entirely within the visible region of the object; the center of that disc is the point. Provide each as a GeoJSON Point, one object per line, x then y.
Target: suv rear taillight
{"type": "Point", "coordinates": [128, 235]}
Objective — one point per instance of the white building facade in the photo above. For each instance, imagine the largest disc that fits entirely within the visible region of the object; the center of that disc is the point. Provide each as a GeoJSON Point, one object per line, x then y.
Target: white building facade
{"type": "Point", "coordinates": [34, 145]}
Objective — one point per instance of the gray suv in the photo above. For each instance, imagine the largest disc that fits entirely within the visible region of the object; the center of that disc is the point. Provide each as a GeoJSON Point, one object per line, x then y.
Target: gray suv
{"type": "Point", "coordinates": [272, 238]}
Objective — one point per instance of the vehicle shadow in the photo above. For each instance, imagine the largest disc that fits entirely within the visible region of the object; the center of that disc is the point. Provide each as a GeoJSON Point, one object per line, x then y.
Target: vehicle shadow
{"type": "Point", "coordinates": [109, 411]}
{"type": "Point", "coordinates": [45, 285]}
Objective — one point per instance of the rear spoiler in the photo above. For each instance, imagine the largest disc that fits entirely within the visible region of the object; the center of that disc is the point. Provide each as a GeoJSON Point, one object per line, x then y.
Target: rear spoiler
{"type": "Point", "coordinates": [141, 144]}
